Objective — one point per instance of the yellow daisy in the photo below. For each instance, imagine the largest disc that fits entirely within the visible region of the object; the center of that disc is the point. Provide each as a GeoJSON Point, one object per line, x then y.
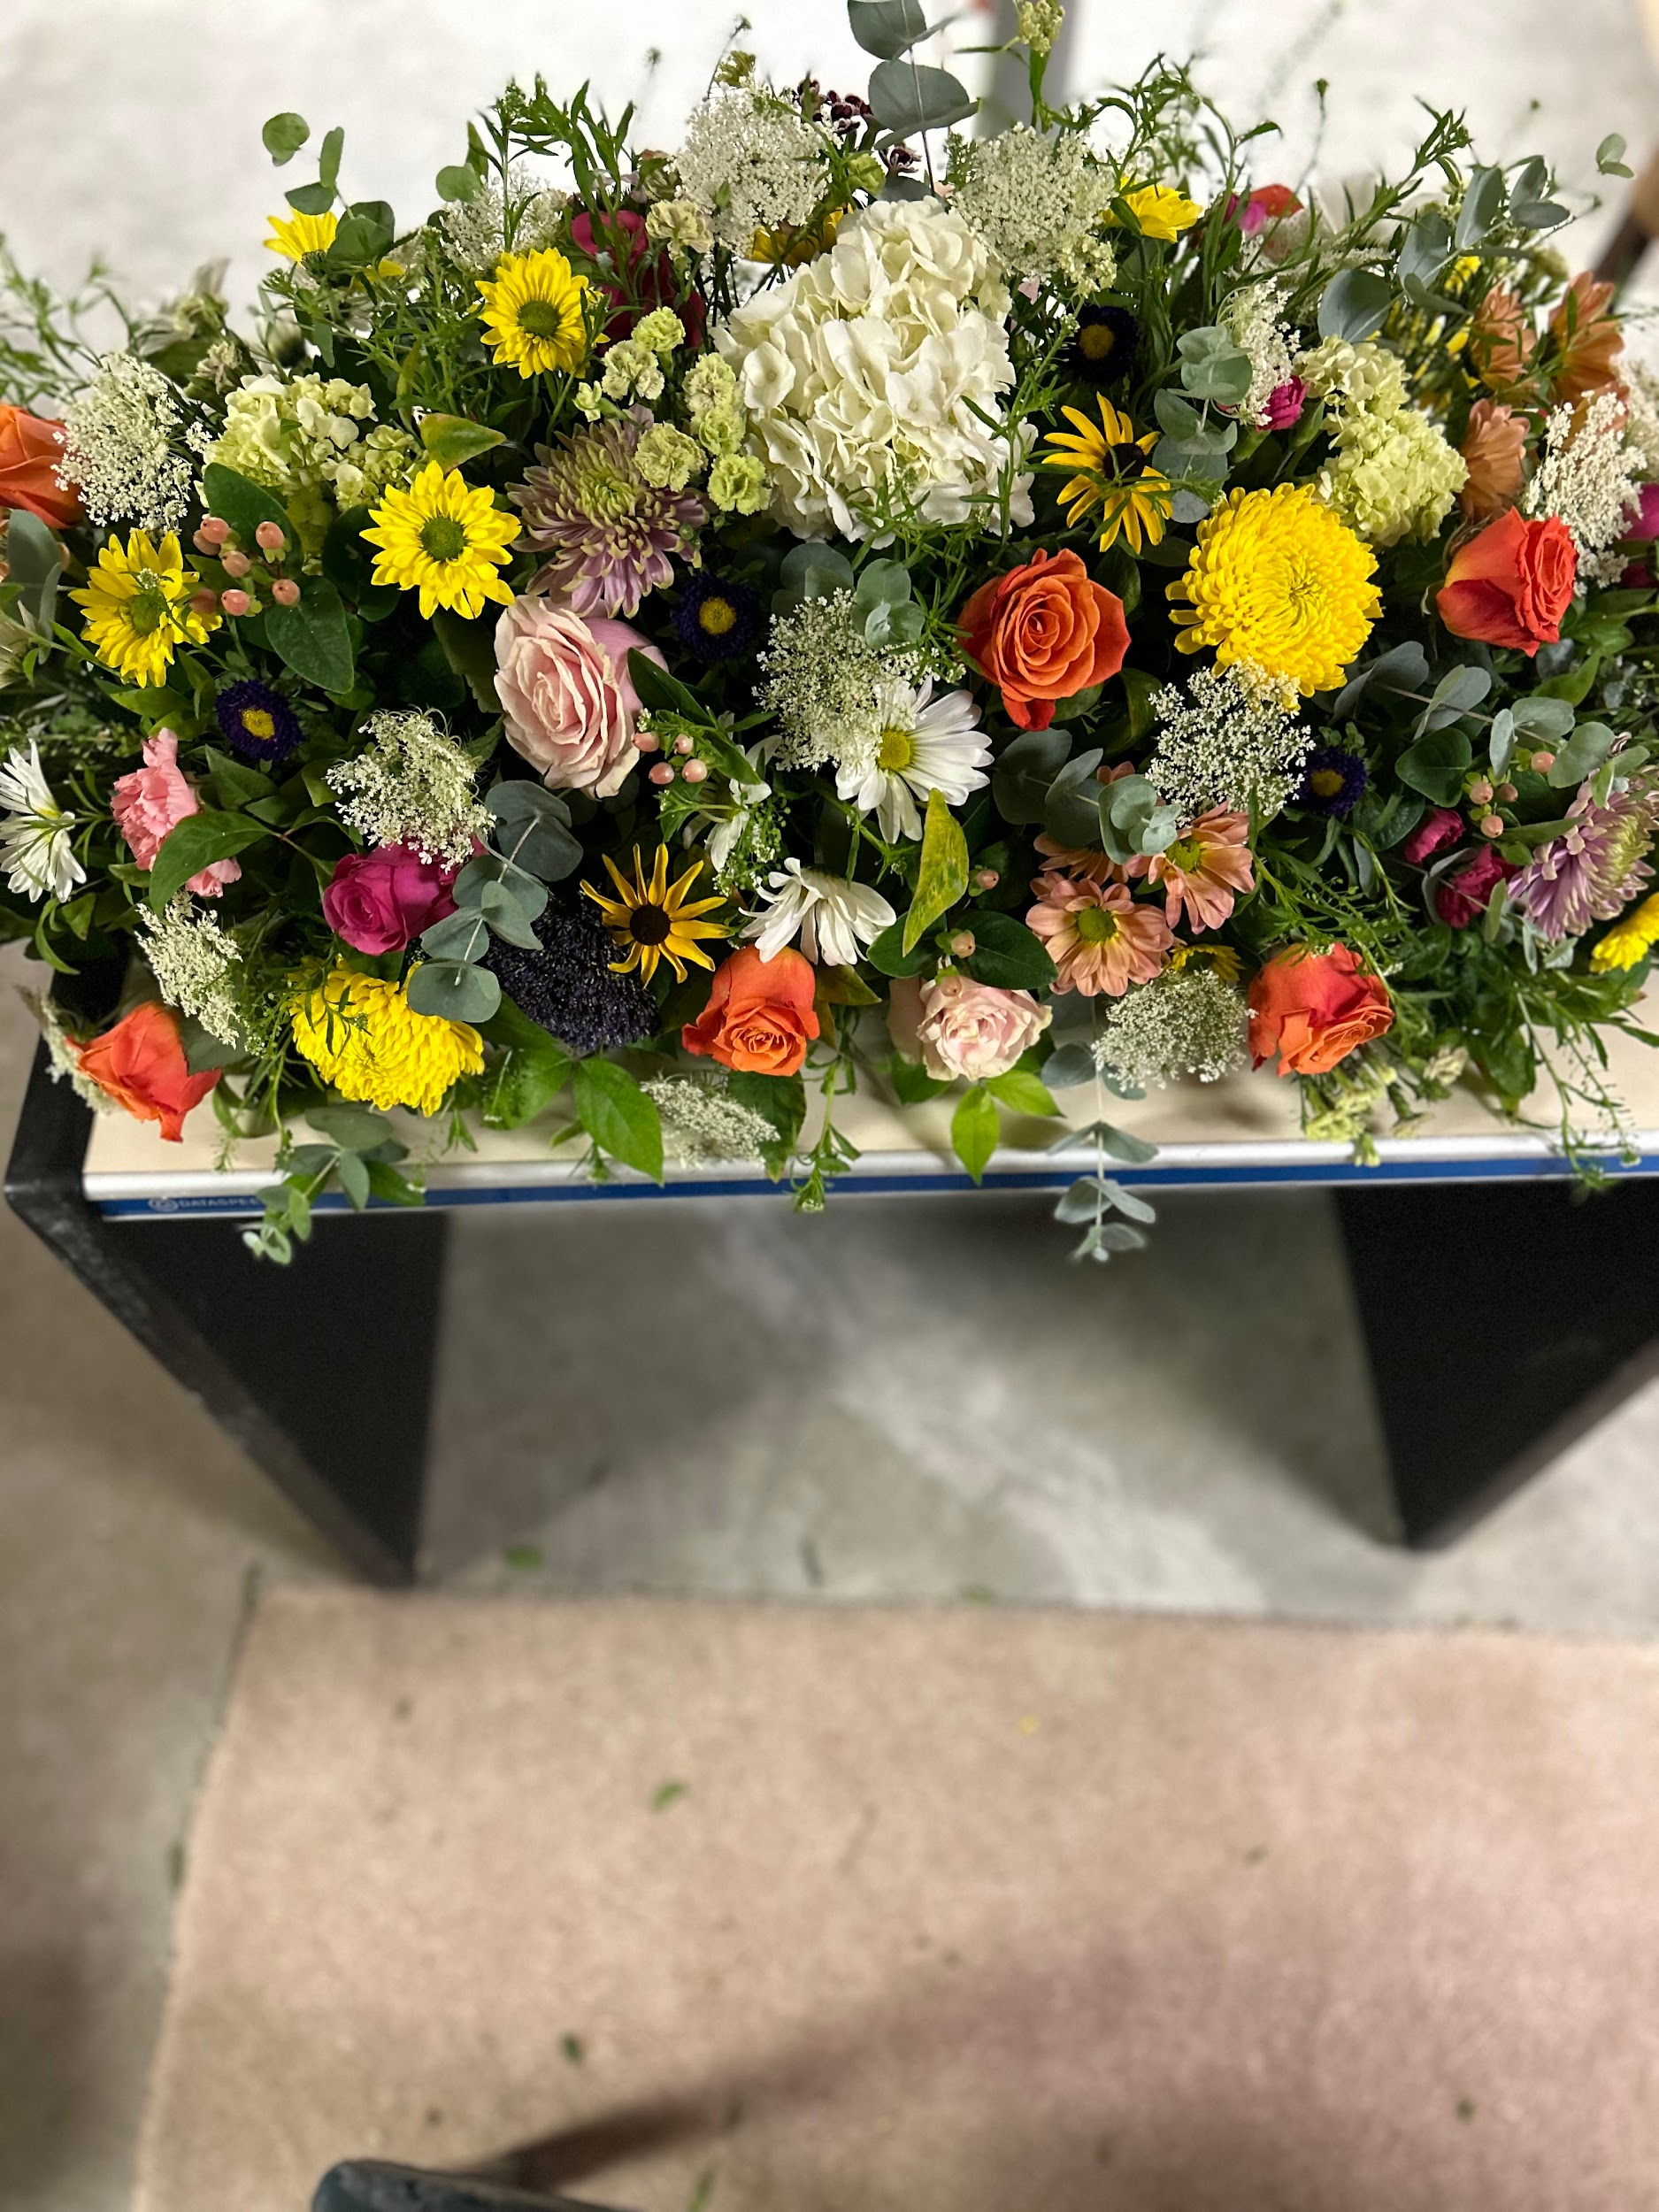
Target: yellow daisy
{"type": "Point", "coordinates": [1278, 580]}
{"type": "Point", "coordinates": [446, 539]}
{"type": "Point", "coordinates": [294, 236]}
{"type": "Point", "coordinates": [137, 598]}
{"type": "Point", "coordinates": [533, 312]}
{"type": "Point", "coordinates": [1631, 937]}
{"type": "Point", "coordinates": [1161, 212]}
{"type": "Point", "coordinates": [361, 1034]}
{"type": "Point", "coordinates": [1113, 474]}
{"type": "Point", "coordinates": [652, 920]}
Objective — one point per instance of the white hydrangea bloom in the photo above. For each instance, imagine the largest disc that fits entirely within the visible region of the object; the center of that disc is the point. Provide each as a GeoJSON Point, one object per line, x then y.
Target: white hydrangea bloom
{"type": "Point", "coordinates": [1392, 473]}
{"type": "Point", "coordinates": [861, 373]}
{"type": "Point", "coordinates": [1590, 475]}
{"type": "Point", "coordinates": [1364, 378]}
{"type": "Point", "coordinates": [750, 163]}
{"type": "Point", "coordinates": [1038, 203]}
{"type": "Point", "coordinates": [125, 442]}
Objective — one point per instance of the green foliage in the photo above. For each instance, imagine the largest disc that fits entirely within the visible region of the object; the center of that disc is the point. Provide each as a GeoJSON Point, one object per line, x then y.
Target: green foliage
{"type": "Point", "coordinates": [620, 1118]}
{"type": "Point", "coordinates": [941, 875]}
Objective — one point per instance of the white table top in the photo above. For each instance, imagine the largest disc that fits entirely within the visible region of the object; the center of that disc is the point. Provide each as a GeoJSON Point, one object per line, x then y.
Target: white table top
{"type": "Point", "coordinates": [1241, 1131]}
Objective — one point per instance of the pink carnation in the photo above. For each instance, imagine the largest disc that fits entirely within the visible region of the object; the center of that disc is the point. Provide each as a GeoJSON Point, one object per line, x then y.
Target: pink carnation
{"type": "Point", "coordinates": [1437, 832]}
{"type": "Point", "coordinates": [152, 801]}
{"type": "Point", "coordinates": [563, 685]}
{"type": "Point", "coordinates": [1285, 404]}
{"type": "Point", "coordinates": [957, 1027]}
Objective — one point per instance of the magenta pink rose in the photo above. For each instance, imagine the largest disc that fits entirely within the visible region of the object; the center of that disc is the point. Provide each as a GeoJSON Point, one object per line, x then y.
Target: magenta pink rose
{"type": "Point", "coordinates": [152, 801]}
{"type": "Point", "coordinates": [957, 1027]}
{"type": "Point", "coordinates": [1437, 832]}
{"type": "Point", "coordinates": [380, 902]}
{"type": "Point", "coordinates": [563, 682]}
{"type": "Point", "coordinates": [1461, 899]}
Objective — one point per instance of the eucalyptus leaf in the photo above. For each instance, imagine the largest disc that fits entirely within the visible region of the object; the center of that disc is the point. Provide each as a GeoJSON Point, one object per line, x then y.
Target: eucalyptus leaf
{"type": "Point", "coordinates": [1436, 765]}
{"type": "Point", "coordinates": [532, 829]}
{"type": "Point", "coordinates": [353, 1128]}
{"type": "Point", "coordinates": [1023, 771]}
{"type": "Point", "coordinates": [1500, 741]}
{"type": "Point", "coordinates": [458, 180]}
{"type": "Point", "coordinates": [1068, 1065]}
{"type": "Point", "coordinates": [1214, 366]}
{"type": "Point", "coordinates": [887, 28]}
{"type": "Point", "coordinates": [283, 136]}
{"type": "Point", "coordinates": [1353, 304]}
{"type": "Point", "coordinates": [1426, 249]}
{"type": "Point", "coordinates": [454, 990]}
{"type": "Point", "coordinates": [906, 98]}
{"type": "Point", "coordinates": [1581, 755]}
{"type": "Point", "coordinates": [1483, 204]}
{"type": "Point", "coordinates": [464, 936]}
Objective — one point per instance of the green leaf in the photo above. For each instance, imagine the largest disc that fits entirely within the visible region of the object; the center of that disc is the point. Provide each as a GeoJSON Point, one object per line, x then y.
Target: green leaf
{"type": "Point", "coordinates": [1456, 692]}
{"type": "Point", "coordinates": [352, 1175]}
{"type": "Point", "coordinates": [454, 990]}
{"type": "Point", "coordinates": [906, 98]}
{"type": "Point", "coordinates": [283, 136]}
{"type": "Point", "coordinates": [34, 559]}
{"type": "Point", "coordinates": [1436, 765]}
{"type": "Point", "coordinates": [532, 829]}
{"type": "Point", "coordinates": [312, 637]}
{"type": "Point", "coordinates": [470, 650]}
{"type": "Point", "coordinates": [1067, 1066]}
{"type": "Point", "coordinates": [1483, 204]}
{"type": "Point", "coordinates": [911, 1083]}
{"type": "Point", "coordinates": [1500, 741]}
{"type": "Point", "coordinates": [349, 565]}
{"type": "Point", "coordinates": [665, 694]}
{"type": "Point", "coordinates": [1024, 771]}
{"type": "Point", "coordinates": [1007, 954]}
{"type": "Point", "coordinates": [974, 1130]}
{"type": "Point", "coordinates": [193, 844]}
{"type": "Point", "coordinates": [533, 1071]}
{"type": "Point", "coordinates": [887, 28]}
{"type": "Point", "coordinates": [328, 159]}
{"type": "Point", "coordinates": [461, 936]}
{"type": "Point", "coordinates": [1609, 157]}
{"type": "Point", "coordinates": [242, 505]}
{"type": "Point", "coordinates": [1427, 249]}
{"type": "Point", "coordinates": [1581, 755]}
{"type": "Point", "coordinates": [1537, 716]}
{"type": "Point", "coordinates": [353, 1128]}
{"type": "Point", "coordinates": [618, 1117]}
{"type": "Point", "coordinates": [888, 956]}
{"type": "Point", "coordinates": [881, 583]}
{"type": "Point", "coordinates": [458, 180]}
{"type": "Point", "coordinates": [778, 1098]}
{"type": "Point", "coordinates": [311, 199]}
{"type": "Point", "coordinates": [812, 571]}
{"type": "Point", "coordinates": [941, 877]}
{"type": "Point", "coordinates": [364, 234]}
{"type": "Point", "coordinates": [1070, 813]}
{"type": "Point", "coordinates": [1353, 304]}
{"type": "Point", "coordinates": [1213, 366]}
{"type": "Point", "coordinates": [452, 438]}
{"type": "Point", "coordinates": [1021, 1091]}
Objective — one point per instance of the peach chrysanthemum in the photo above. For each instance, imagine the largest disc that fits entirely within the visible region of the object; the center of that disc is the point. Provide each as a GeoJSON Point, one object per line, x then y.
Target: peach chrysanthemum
{"type": "Point", "coordinates": [1501, 343]}
{"type": "Point", "coordinates": [1099, 940]}
{"type": "Point", "coordinates": [1494, 448]}
{"type": "Point", "coordinates": [1203, 869]}
{"type": "Point", "coordinates": [1590, 341]}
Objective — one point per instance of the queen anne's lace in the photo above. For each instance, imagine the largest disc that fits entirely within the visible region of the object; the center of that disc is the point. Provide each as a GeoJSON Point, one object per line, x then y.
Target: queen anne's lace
{"type": "Point", "coordinates": [191, 959]}
{"type": "Point", "coordinates": [1229, 740]}
{"type": "Point", "coordinates": [1590, 476]}
{"type": "Point", "coordinates": [750, 163]}
{"type": "Point", "coordinates": [1188, 1021]}
{"type": "Point", "coordinates": [1038, 203]}
{"type": "Point", "coordinates": [127, 445]}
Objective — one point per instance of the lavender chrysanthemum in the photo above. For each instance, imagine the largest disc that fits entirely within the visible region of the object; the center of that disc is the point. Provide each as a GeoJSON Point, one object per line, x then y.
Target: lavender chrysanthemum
{"type": "Point", "coordinates": [570, 988]}
{"type": "Point", "coordinates": [1592, 871]}
{"type": "Point", "coordinates": [612, 536]}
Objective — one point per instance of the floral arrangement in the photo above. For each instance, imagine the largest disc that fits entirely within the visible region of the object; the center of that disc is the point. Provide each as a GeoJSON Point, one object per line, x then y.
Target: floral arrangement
{"type": "Point", "coordinates": [840, 601]}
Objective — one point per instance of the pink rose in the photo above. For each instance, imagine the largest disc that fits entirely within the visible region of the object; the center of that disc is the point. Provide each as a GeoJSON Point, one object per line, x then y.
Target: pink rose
{"type": "Point", "coordinates": [380, 902]}
{"type": "Point", "coordinates": [152, 801]}
{"type": "Point", "coordinates": [1439, 830]}
{"type": "Point", "coordinates": [563, 682]}
{"type": "Point", "coordinates": [962, 1028]}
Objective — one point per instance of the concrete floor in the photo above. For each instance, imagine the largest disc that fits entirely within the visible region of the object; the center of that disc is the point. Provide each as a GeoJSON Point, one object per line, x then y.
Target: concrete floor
{"type": "Point", "coordinates": [1130, 1446]}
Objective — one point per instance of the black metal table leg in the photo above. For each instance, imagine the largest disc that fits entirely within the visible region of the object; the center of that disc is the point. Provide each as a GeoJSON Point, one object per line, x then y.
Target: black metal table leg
{"type": "Point", "coordinates": [1503, 1320]}
{"type": "Point", "coordinates": [322, 1371]}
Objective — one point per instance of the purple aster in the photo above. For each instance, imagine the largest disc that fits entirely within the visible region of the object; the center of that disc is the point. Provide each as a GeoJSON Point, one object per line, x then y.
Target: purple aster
{"type": "Point", "coordinates": [612, 536]}
{"type": "Point", "coordinates": [1334, 782]}
{"type": "Point", "coordinates": [256, 722]}
{"type": "Point", "coordinates": [717, 621]}
{"type": "Point", "coordinates": [569, 986]}
{"type": "Point", "coordinates": [1593, 871]}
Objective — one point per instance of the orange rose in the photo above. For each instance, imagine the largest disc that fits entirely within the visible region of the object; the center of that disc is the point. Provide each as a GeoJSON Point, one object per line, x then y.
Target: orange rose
{"type": "Point", "coordinates": [1590, 340]}
{"type": "Point", "coordinates": [1494, 448]}
{"type": "Point", "coordinates": [1313, 1009]}
{"type": "Point", "coordinates": [1511, 583]}
{"type": "Point", "coordinates": [140, 1063]}
{"type": "Point", "coordinates": [759, 1018]}
{"type": "Point", "coordinates": [30, 450]}
{"type": "Point", "coordinates": [1043, 632]}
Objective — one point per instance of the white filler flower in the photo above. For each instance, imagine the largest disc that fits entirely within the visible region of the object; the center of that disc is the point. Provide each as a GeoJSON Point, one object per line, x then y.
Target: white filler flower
{"type": "Point", "coordinates": [34, 846]}
{"type": "Point", "coordinates": [832, 917]}
{"type": "Point", "coordinates": [927, 744]}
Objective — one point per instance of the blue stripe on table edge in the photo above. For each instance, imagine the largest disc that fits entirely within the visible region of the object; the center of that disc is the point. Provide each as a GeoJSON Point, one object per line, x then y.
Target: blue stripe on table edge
{"type": "Point", "coordinates": [1519, 1170]}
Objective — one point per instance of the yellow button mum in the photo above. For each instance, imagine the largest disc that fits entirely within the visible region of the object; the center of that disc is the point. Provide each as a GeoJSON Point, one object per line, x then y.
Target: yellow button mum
{"type": "Point", "coordinates": [1162, 211]}
{"type": "Point", "coordinates": [294, 236]}
{"type": "Point", "coordinates": [1631, 937]}
{"type": "Point", "coordinates": [137, 598]}
{"type": "Point", "coordinates": [1279, 581]}
{"type": "Point", "coordinates": [361, 1034]}
{"type": "Point", "coordinates": [444, 538]}
{"type": "Point", "coordinates": [533, 312]}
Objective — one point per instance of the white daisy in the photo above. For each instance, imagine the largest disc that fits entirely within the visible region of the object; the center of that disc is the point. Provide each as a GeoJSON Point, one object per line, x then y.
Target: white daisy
{"type": "Point", "coordinates": [832, 917]}
{"type": "Point", "coordinates": [725, 837]}
{"type": "Point", "coordinates": [34, 844]}
{"type": "Point", "coordinates": [926, 745]}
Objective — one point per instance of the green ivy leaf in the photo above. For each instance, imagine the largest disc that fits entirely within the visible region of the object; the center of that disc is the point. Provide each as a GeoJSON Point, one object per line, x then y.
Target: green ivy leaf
{"type": "Point", "coordinates": [974, 1130]}
{"type": "Point", "coordinates": [942, 876]}
{"type": "Point", "coordinates": [618, 1117]}
{"type": "Point", "coordinates": [193, 844]}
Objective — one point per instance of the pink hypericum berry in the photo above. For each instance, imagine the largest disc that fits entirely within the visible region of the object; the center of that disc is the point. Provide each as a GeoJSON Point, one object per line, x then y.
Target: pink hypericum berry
{"type": "Point", "coordinates": [961, 944]}
{"type": "Point", "coordinates": [213, 530]}
{"type": "Point", "coordinates": [237, 563]}
{"type": "Point", "coordinates": [205, 602]}
{"type": "Point", "coordinates": [271, 536]}
{"type": "Point", "coordinates": [1481, 791]}
{"type": "Point", "coordinates": [1543, 761]}
{"type": "Point", "coordinates": [1492, 825]}
{"type": "Point", "coordinates": [684, 744]}
{"type": "Point", "coordinates": [647, 741]}
{"type": "Point", "coordinates": [694, 771]}
{"type": "Point", "coordinates": [286, 591]}
{"type": "Point", "coordinates": [986, 878]}
{"type": "Point", "coordinates": [662, 774]}
{"type": "Point", "coordinates": [235, 603]}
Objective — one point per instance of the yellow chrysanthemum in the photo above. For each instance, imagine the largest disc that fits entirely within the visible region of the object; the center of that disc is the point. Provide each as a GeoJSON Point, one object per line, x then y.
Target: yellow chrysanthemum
{"type": "Point", "coordinates": [651, 919]}
{"type": "Point", "coordinates": [445, 539]}
{"type": "Point", "coordinates": [1162, 211]}
{"type": "Point", "coordinates": [1278, 580]}
{"type": "Point", "coordinates": [1114, 474]}
{"type": "Point", "coordinates": [294, 236]}
{"type": "Point", "coordinates": [137, 598]}
{"type": "Point", "coordinates": [361, 1034]}
{"type": "Point", "coordinates": [533, 312]}
{"type": "Point", "coordinates": [1631, 937]}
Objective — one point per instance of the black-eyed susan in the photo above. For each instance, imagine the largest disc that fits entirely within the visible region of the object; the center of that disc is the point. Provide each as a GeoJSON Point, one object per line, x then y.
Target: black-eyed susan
{"type": "Point", "coordinates": [445, 539]}
{"type": "Point", "coordinates": [533, 312]}
{"type": "Point", "coordinates": [296, 236]}
{"type": "Point", "coordinates": [138, 598]}
{"type": "Point", "coordinates": [651, 919]}
{"type": "Point", "coordinates": [1114, 473]}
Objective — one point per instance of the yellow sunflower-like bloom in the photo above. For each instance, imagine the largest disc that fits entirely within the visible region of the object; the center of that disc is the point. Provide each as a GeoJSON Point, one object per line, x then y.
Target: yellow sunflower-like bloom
{"type": "Point", "coordinates": [1114, 474]}
{"type": "Point", "coordinates": [294, 236]}
{"type": "Point", "coordinates": [1162, 211]}
{"type": "Point", "coordinates": [445, 539]}
{"type": "Point", "coordinates": [651, 919]}
{"type": "Point", "coordinates": [1631, 937]}
{"type": "Point", "coordinates": [361, 1034]}
{"type": "Point", "coordinates": [137, 598]}
{"type": "Point", "coordinates": [1278, 580]}
{"type": "Point", "coordinates": [533, 312]}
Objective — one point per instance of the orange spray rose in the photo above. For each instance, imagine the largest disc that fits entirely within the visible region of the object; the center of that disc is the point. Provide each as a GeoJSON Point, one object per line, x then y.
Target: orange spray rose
{"type": "Point", "coordinates": [1511, 583]}
{"type": "Point", "coordinates": [140, 1063]}
{"type": "Point", "coordinates": [759, 1018]}
{"type": "Point", "coordinates": [1043, 632]}
{"type": "Point", "coordinates": [1313, 1009]}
